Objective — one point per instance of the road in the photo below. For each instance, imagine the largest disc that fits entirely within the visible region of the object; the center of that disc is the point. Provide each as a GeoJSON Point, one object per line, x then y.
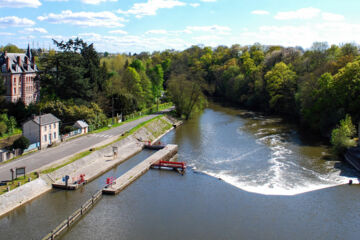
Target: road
{"type": "Point", "coordinates": [46, 156]}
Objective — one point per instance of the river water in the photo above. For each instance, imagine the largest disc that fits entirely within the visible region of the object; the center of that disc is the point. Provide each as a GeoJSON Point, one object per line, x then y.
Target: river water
{"type": "Point", "coordinates": [250, 177]}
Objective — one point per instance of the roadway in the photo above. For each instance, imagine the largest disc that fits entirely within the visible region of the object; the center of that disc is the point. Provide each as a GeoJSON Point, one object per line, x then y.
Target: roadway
{"type": "Point", "coordinates": [43, 157]}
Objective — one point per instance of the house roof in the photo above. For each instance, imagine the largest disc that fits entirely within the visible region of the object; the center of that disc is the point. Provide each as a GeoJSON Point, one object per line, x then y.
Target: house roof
{"type": "Point", "coordinates": [46, 119]}
{"type": "Point", "coordinates": [81, 124]}
{"type": "Point", "coordinates": [23, 67]}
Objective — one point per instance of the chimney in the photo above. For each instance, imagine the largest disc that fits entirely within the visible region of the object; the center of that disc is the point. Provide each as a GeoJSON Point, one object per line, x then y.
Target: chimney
{"type": "Point", "coordinates": [18, 60]}
{"type": "Point", "coordinates": [8, 64]}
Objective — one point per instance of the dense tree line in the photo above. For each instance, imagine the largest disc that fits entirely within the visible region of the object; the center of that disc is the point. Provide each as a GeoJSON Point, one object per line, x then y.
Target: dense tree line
{"type": "Point", "coordinates": [316, 87]}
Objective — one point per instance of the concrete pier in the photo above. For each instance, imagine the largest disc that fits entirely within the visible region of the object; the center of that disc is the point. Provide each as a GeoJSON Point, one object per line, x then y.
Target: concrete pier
{"type": "Point", "coordinates": [126, 179]}
{"type": "Point", "coordinates": [96, 164]}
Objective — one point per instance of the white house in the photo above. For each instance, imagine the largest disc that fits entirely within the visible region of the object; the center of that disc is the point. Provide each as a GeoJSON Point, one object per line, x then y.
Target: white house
{"type": "Point", "coordinates": [46, 126]}
{"type": "Point", "coordinates": [80, 124]}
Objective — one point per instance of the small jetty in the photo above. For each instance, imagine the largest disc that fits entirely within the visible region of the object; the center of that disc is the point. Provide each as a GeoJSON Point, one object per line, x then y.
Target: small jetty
{"type": "Point", "coordinates": [130, 176]}
{"type": "Point", "coordinates": [177, 166]}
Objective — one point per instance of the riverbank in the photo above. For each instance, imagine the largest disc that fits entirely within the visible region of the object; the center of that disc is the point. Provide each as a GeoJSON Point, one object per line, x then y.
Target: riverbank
{"type": "Point", "coordinates": [91, 165]}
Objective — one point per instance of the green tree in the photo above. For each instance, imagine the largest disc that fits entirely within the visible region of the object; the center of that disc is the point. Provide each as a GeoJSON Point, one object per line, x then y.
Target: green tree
{"type": "Point", "coordinates": [186, 95]}
{"type": "Point", "coordinates": [341, 137]}
{"type": "Point", "coordinates": [74, 72]}
{"type": "Point", "coordinates": [3, 128]}
{"type": "Point", "coordinates": [11, 48]}
{"type": "Point", "coordinates": [281, 87]}
{"type": "Point", "coordinates": [157, 80]}
{"type": "Point", "coordinates": [22, 143]}
{"type": "Point", "coordinates": [11, 124]}
{"type": "Point", "coordinates": [132, 83]}
{"type": "Point", "coordinates": [347, 89]}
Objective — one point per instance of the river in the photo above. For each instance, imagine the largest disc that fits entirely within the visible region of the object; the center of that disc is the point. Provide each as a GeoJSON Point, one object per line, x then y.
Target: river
{"type": "Point", "coordinates": [250, 177]}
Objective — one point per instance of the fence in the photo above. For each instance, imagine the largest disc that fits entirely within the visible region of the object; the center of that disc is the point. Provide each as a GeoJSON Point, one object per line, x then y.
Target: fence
{"type": "Point", "coordinates": [71, 134]}
{"type": "Point", "coordinates": [74, 217]}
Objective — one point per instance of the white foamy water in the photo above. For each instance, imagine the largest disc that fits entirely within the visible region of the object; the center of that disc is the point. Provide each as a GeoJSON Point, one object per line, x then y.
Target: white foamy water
{"type": "Point", "coordinates": [276, 171]}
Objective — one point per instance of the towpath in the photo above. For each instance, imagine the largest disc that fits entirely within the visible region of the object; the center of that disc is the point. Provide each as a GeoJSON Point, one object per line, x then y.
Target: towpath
{"type": "Point", "coordinates": [47, 156]}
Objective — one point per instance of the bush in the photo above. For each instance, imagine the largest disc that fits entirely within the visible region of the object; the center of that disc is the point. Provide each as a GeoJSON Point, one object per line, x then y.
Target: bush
{"type": "Point", "coordinates": [22, 143]}
{"type": "Point", "coordinates": [3, 128]}
{"type": "Point", "coordinates": [341, 137]}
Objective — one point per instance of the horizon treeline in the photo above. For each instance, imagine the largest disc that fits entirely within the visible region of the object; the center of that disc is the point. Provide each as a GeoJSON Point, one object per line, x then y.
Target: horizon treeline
{"type": "Point", "coordinates": [317, 87]}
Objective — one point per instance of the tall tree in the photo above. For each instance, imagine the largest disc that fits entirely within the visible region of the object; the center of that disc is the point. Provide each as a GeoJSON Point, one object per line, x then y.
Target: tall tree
{"type": "Point", "coordinates": [281, 87]}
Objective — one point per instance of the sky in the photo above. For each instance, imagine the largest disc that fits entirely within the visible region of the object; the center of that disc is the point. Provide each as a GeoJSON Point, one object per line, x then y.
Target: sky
{"type": "Point", "coordinates": [119, 26]}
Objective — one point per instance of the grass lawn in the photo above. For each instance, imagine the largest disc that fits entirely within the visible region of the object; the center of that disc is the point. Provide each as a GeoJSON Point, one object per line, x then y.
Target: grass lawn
{"type": "Point", "coordinates": [14, 184]}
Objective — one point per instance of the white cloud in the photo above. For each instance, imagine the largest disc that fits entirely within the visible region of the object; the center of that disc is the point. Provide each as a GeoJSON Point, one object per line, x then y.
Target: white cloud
{"type": "Point", "coordinates": [56, 37]}
{"type": "Point", "coordinates": [303, 13]}
{"type": "Point", "coordinates": [56, 0]}
{"type": "Point", "coordinates": [260, 12]}
{"type": "Point", "coordinates": [213, 29]}
{"type": "Point", "coordinates": [157, 31]}
{"type": "Point", "coordinates": [208, 0]}
{"type": "Point", "coordinates": [20, 3]}
{"type": "Point", "coordinates": [34, 30]}
{"type": "Point", "coordinates": [195, 5]}
{"type": "Point", "coordinates": [85, 19]}
{"type": "Point", "coordinates": [332, 17]}
{"type": "Point", "coordinates": [14, 21]}
{"type": "Point", "coordinates": [118, 32]}
{"type": "Point", "coordinates": [96, 1]}
{"type": "Point", "coordinates": [216, 29]}
{"type": "Point", "coordinates": [130, 42]}
{"type": "Point", "coordinates": [6, 34]}
{"type": "Point", "coordinates": [305, 35]}
{"type": "Point", "coordinates": [150, 7]}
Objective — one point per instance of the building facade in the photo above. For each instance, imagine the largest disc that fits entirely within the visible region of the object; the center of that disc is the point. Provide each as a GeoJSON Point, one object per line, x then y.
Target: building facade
{"type": "Point", "coordinates": [46, 126]}
{"type": "Point", "coordinates": [19, 72]}
{"type": "Point", "coordinates": [82, 125]}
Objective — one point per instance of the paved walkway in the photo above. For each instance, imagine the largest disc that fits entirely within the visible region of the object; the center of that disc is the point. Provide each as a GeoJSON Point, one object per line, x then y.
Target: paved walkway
{"type": "Point", "coordinates": [44, 157]}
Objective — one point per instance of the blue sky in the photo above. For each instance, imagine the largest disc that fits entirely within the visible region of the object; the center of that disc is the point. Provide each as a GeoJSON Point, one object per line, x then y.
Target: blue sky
{"type": "Point", "coordinates": [150, 25]}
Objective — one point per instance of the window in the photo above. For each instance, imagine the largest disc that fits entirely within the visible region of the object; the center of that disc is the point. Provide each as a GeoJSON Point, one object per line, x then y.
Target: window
{"type": "Point", "coordinates": [45, 138]}
{"type": "Point", "coordinates": [54, 125]}
{"type": "Point", "coordinates": [45, 128]}
{"type": "Point", "coordinates": [14, 90]}
{"type": "Point", "coordinates": [50, 126]}
{"type": "Point", "coordinates": [54, 135]}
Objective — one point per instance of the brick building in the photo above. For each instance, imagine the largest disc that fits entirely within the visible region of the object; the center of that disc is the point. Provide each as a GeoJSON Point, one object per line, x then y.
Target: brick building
{"type": "Point", "coordinates": [19, 74]}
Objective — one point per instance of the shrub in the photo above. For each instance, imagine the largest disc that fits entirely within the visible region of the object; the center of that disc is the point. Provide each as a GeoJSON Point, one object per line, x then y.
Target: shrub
{"type": "Point", "coordinates": [22, 143]}
{"type": "Point", "coordinates": [3, 128]}
{"type": "Point", "coordinates": [341, 137]}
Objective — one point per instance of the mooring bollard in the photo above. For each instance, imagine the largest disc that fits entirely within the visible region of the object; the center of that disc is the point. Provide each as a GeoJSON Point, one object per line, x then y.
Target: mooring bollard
{"type": "Point", "coordinates": [19, 184]}
{"type": "Point", "coordinates": [29, 179]}
{"type": "Point", "coordinates": [8, 188]}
